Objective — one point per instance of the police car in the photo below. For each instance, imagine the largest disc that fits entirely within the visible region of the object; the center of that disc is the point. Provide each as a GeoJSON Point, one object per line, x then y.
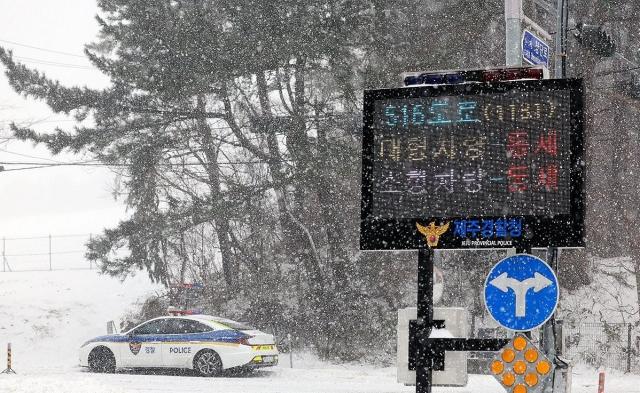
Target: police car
{"type": "Point", "coordinates": [204, 343]}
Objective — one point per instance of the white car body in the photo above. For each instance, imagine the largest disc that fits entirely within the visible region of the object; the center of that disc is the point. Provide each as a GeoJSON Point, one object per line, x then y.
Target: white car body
{"type": "Point", "coordinates": [177, 341]}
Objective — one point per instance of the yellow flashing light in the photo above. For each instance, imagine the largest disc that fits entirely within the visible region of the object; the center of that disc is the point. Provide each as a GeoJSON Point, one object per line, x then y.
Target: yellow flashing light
{"type": "Point", "coordinates": [519, 367]}
{"type": "Point", "coordinates": [531, 355]}
{"type": "Point", "coordinates": [508, 355]}
{"type": "Point", "coordinates": [531, 379]}
{"type": "Point", "coordinates": [497, 367]}
{"type": "Point", "coordinates": [520, 389]}
{"type": "Point", "coordinates": [508, 379]}
{"type": "Point", "coordinates": [543, 367]}
{"type": "Point", "coordinates": [519, 343]}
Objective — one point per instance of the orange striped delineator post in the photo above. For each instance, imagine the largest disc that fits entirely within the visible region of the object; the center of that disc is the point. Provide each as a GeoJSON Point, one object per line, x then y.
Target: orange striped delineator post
{"type": "Point", "coordinates": [601, 383]}
{"type": "Point", "coordinates": [8, 370]}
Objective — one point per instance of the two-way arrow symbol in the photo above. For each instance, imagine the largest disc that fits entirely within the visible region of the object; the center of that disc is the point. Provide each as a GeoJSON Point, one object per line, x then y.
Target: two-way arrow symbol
{"type": "Point", "coordinates": [538, 282]}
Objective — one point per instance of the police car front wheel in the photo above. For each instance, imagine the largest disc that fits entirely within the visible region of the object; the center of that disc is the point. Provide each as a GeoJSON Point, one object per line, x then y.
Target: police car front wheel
{"type": "Point", "coordinates": [207, 363]}
{"type": "Point", "coordinates": [101, 360]}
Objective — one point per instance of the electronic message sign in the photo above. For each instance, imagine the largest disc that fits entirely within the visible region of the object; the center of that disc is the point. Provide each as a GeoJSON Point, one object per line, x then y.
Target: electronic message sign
{"type": "Point", "coordinates": [479, 165]}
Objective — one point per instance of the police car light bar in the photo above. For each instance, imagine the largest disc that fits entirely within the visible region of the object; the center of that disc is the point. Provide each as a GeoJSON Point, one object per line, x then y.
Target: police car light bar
{"type": "Point", "coordinates": [174, 311]}
{"type": "Point", "coordinates": [454, 77]}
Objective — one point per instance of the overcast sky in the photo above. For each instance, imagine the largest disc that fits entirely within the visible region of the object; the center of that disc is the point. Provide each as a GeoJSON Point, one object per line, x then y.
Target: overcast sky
{"type": "Point", "coordinates": [49, 35]}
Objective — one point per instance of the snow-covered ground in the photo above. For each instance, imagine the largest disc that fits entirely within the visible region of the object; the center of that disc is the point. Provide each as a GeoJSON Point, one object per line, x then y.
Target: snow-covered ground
{"type": "Point", "coordinates": [47, 315]}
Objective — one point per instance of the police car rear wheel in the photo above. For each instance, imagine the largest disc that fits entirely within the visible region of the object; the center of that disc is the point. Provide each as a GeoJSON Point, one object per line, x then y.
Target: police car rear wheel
{"type": "Point", "coordinates": [101, 360]}
{"type": "Point", "coordinates": [207, 363]}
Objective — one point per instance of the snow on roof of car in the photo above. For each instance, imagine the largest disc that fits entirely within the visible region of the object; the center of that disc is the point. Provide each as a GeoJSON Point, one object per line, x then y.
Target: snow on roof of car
{"type": "Point", "coordinates": [225, 321]}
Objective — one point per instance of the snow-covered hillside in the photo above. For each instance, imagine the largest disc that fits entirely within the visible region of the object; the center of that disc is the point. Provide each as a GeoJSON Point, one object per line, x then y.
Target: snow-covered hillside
{"type": "Point", "coordinates": [47, 315]}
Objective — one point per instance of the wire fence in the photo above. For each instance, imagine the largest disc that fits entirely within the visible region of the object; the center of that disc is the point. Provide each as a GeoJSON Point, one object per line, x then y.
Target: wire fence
{"type": "Point", "coordinates": [48, 252]}
{"type": "Point", "coordinates": [609, 345]}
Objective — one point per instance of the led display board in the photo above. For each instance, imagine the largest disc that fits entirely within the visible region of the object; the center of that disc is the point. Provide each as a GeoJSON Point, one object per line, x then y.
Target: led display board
{"type": "Point", "coordinates": [479, 165]}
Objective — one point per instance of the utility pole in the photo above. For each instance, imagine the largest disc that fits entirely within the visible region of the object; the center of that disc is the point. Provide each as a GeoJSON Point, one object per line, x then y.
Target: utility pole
{"type": "Point", "coordinates": [562, 12]}
{"type": "Point", "coordinates": [513, 32]}
{"type": "Point", "coordinates": [551, 336]}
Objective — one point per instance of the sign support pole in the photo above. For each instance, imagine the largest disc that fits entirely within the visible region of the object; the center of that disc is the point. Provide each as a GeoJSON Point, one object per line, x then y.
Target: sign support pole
{"type": "Point", "coordinates": [513, 32]}
{"type": "Point", "coordinates": [425, 320]}
{"type": "Point", "coordinates": [561, 39]}
{"type": "Point", "coordinates": [549, 343]}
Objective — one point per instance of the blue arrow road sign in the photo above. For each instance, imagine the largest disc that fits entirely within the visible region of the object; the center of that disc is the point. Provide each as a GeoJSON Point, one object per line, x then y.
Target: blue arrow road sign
{"type": "Point", "coordinates": [521, 292]}
{"type": "Point", "coordinates": [534, 50]}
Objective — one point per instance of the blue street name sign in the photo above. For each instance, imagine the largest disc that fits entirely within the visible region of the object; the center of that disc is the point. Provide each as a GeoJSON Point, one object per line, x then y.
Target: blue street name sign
{"type": "Point", "coordinates": [521, 292]}
{"type": "Point", "coordinates": [534, 50]}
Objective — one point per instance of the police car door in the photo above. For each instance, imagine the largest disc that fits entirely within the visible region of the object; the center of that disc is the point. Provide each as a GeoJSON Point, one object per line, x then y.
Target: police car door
{"type": "Point", "coordinates": [143, 345]}
{"type": "Point", "coordinates": [179, 351]}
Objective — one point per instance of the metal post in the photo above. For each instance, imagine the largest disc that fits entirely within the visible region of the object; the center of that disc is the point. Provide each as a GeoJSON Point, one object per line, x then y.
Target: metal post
{"type": "Point", "coordinates": [548, 329]}
{"type": "Point", "coordinates": [50, 252]}
{"type": "Point", "coordinates": [513, 32]}
{"type": "Point", "coordinates": [425, 320]}
{"type": "Point", "coordinates": [562, 12]}
{"type": "Point", "coordinates": [90, 261]}
{"type": "Point", "coordinates": [290, 350]}
{"type": "Point", "coordinates": [628, 348]}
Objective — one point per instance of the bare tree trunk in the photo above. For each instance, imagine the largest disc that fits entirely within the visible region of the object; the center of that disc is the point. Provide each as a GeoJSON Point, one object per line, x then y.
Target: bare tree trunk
{"type": "Point", "coordinates": [295, 241]}
{"type": "Point", "coordinates": [229, 265]}
{"type": "Point", "coordinates": [330, 210]}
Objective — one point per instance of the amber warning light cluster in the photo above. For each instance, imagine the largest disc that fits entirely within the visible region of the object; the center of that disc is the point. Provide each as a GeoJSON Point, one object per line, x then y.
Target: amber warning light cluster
{"type": "Point", "coordinates": [521, 367]}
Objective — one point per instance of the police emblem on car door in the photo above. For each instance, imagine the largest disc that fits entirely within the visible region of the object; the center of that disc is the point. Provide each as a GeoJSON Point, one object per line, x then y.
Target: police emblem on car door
{"type": "Point", "coordinates": [134, 347]}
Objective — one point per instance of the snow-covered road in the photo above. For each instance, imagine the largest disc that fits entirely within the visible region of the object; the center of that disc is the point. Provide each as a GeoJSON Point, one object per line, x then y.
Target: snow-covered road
{"type": "Point", "coordinates": [330, 379]}
{"type": "Point", "coordinates": [279, 380]}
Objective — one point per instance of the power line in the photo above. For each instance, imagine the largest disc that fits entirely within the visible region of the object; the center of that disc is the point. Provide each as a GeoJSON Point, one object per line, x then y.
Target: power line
{"type": "Point", "coordinates": [99, 164]}
{"type": "Point", "coordinates": [42, 49]}
{"type": "Point", "coordinates": [39, 254]}
{"type": "Point", "coordinates": [28, 156]}
{"type": "Point", "coordinates": [54, 63]}
{"type": "Point", "coordinates": [25, 169]}
{"type": "Point", "coordinates": [46, 237]}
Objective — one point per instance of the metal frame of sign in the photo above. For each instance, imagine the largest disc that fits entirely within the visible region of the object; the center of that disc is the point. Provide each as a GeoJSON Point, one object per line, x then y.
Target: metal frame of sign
{"type": "Point", "coordinates": [378, 233]}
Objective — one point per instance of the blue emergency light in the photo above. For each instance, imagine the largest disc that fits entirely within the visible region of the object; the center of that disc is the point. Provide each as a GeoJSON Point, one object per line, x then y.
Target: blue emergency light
{"type": "Point", "coordinates": [469, 76]}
